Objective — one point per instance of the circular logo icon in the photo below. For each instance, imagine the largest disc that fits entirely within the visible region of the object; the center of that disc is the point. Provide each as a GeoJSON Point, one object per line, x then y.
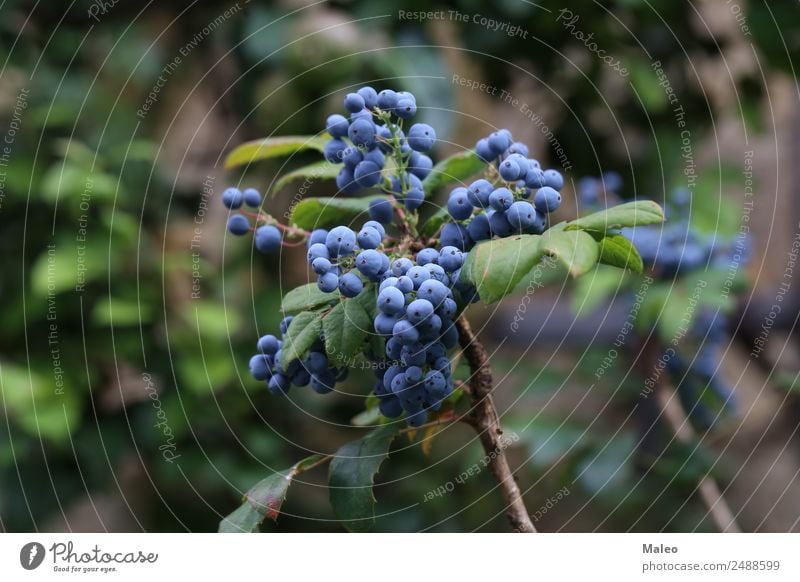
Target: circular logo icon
{"type": "Point", "coordinates": [31, 555]}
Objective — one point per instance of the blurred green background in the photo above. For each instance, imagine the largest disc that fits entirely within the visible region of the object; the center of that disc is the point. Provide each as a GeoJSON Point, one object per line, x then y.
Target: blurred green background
{"type": "Point", "coordinates": [128, 316]}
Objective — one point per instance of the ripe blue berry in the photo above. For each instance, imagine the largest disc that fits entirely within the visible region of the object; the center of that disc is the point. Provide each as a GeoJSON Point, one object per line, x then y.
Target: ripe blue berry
{"type": "Point", "coordinates": [518, 148]}
{"type": "Point", "coordinates": [391, 301]}
{"type": "Point", "coordinates": [478, 228]}
{"type": "Point", "coordinates": [414, 198]}
{"type": "Point", "coordinates": [509, 170]}
{"type": "Point", "coordinates": [337, 125]}
{"type": "Point", "coordinates": [501, 199]}
{"type": "Point", "coordinates": [377, 226]}
{"type": "Point", "coordinates": [499, 142]}
{"type": "Point", "coordinates": [553, 179]}
{"type": "Point", "coordinates": [318, 250]}
{"type": "Point", "coordinates": [328, 282]}
{"type": "Point", "coordinates": [420, 165]}
{"type": "Point", "coordinates": [376, 157]}
{"type": "Point", "coordinates": [354, 102]}
{"type": "Point", "coordinates": [345, 181]}
{"type": "Point", "coordinates": [381, 211]}
{"type": "Point", "coordinates": [334, 150]}
{"type": "Point", "coordinates": [370, 97]}
{"type": "Point", "coordinates": [284, 325]}
{"type": "Point", "coordinates": [387, 100]}
{"type": "Point", "coordinates": [547, 199]}
{"type": "Point", "coordinates": [418, 310]}
{"type": "Point", "coordinates": [252, 197]}
{"type": "Point", "coordinates": [279, 384]}
{"type": "Point", "coordinates": [450, 259]}
{"type": "Point", "coordinates": [427, 255]}
{"type": "Point", "coordinates": [418, 275]}
{"type": "Point", "coordinates": [479, 192]}
{"type": "Point", "coordinates": [367, 174]}
{"type": "Point", "coordinates": [321, 265]}
{"type": "Point", "coordinates": [323, 383]}
{"type": "Point", "coordinates": [521, 216]}
{"type": "Point", "coordinates": [317, 236]}
{"type": "Point", "coordinates": [405, 332]}
{"type": "Point", "coordinates": [238, 224]}
{"type": "Point", "coordinates": [268, 344]}
{"type": "Point", "coordinates": [432, 290]}
{"type": "Point", "coordinates": [352, 156]}
{"type": "Point", "coordinates": [455, 235]}
{"type": "Point", "coordinates": [401, 266]}
{"type": "Point", "coordinates": [421, 137]}
{"type": "Point", "coordinates": [534, 178]}
{"type": "Point", "coordinates": [362, 132]}
{"type": "Point", "coordinates": [384, 323]}
{"type": "Point", "coordinates": [369, 238]}
{"type": "Point", "coordinates": [499, 225]}
{"type": "Point", "coordinates": [268, 239]}
{"type": "Point", "coordinates": [340, 241]}
{"type": "Point", "coordinates": [369, 263]}
{"type": "Point", "coordinates": [259, 367]}
{"type": "Point", "coordinates": [458, 204]}
{"type": "Point", "coordinates": [405, 109]}
{"type": "Point", "coordinates": [350, 285]}
{"type": "Point", "coordinates": [405, 284]}
{"type": "Point", "coordinates": [485, 151]}
{"type": "Point", "coordinates": [232, 198]}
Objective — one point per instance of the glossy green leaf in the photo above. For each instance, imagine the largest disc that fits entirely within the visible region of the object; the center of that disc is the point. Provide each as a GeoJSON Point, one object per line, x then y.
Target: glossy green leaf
{"type": "Point", "coordinates": [273, 147]}
{"type": "Point", "coordinates": [495, 267]}
{"type": "Point", "coordinates": [345, 328]}
{"type": "Point", "coordinates": [618, 251]}
{"type": "Point", "coordinates": [352, 475]}
{"type": "Point", "coordinates": [323, 170]}
{"type": "Point", "coordinates": [328, 212]}
{"type": "Point", "coordinates": [307, 296]}
{"type": "Point", "coordinates": [264, 499]}
{"type": "Point", "coordinates": [638, 213]}
{"type": "Point", "coordinates": [576, 250]}
{"type": "Point", "coordinates": [457, 168]}
{"type": "Point", "coordinates": [302, 333]}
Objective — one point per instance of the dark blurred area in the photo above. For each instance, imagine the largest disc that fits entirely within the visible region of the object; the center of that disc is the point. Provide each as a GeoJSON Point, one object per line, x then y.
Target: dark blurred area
{"type": "Point", "coordinates": [128, 314]}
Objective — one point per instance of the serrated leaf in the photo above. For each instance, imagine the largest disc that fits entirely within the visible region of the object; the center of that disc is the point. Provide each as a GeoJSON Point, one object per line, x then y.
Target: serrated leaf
{"type": "Point", "coordinates": [574, 249]}
{"type": "Point", "coordinates": [273, 147]}
{"type": "Point", "coordinates": [495, 267]}
{"type": "Point", "coordinates": [637, 213]}
{"type": "Point", "coordinates": [264, 499]}
{"type": "Point", "coordinates": [307, 296]}
{"type": "Point", "coordinates": [455, 168]}
{"type": "Point", "coordinates": [327, 212]}
{"type": "Point", "coordinates": [352, 474]}
{"type": "Point", "coordinates": [618, 251]}
{"type": "Point", "coordinates": [435, 222]}
{"type": "Point", "coordinates": [346, 327]}
{"type": "Point", "coordinates": [302, 333]}
{"type": "Point", "coordinates": [323, 170]}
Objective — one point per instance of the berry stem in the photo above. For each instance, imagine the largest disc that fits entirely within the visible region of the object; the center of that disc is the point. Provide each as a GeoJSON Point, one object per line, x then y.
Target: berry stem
{"type": "Point", "coordinates": [484, 418]}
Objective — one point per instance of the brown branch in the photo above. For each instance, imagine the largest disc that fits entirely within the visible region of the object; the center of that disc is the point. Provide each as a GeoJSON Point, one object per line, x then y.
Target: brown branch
{"type": "Point", "coordinates": [676, 418]}
{"type": "Point", "coordinates": [486, 422]}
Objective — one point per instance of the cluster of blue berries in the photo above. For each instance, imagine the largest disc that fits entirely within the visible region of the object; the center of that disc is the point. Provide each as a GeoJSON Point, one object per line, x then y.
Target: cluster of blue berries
{"type": "Point", "coordinates": [315, 369]}
{"type": "Point", "coordinates": [267, 237]}
{"type": "Point", "coordinates": [485, 209]}
{"type": "Point", "coordinates": [373, 131]}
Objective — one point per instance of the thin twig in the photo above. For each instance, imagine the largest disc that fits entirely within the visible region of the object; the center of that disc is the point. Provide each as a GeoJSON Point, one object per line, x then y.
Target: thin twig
{"type": "Point", "coordinates": [486, 422]}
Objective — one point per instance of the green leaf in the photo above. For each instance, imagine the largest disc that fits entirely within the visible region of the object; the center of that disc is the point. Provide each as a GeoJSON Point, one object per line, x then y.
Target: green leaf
{"type": "Point", "coordinates": [120, 312]}
{"type": "Point", "coordinates": [326, 212]}
{"type": "Point", "coordinates": [307, 296]}
{"type": "Point", "coordinates": [495, 267]}
{"type": "Point", "coordinates": [352, 474]}
{"type": "Point", "coordinates": [303, 331]}
{"type": "Point", "coordinates": [456, 168]}
{"type": "Point", "coordinates": [264, 499]}
{"type": "Point", "coordinates": [618, 251]}
{"type": "Point", "coordinates": [323, 170]}
{"type": "Point", "coordinates": [273, 147]}
{"type": "Point", "coordinates": [345, 328]}
{"type": "Point", "coordinates": [638, 213]}
{"type": "Point", "coordinates": [590, 291]}
{"type": "Point", "coordinates": [575, 249]}
{"type": "Point", "coordinates": [435, 222]}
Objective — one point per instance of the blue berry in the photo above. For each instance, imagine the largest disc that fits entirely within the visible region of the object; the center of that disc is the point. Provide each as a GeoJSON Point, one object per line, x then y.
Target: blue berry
{"type": "Point", "coordinates": [553, 179]}
{"type": "Point", "coordinates": [279, 384]}
{"type": "Point", "coordinates": [390, 407]}
{"type": "Point", "coordinates": [259, 367]}
{"type": "Point", "coordinates": [367, 174]}
{"type": "Point", "coordinates": [420, 165]}
{"type": "Point", "coordinates": [405, 332]}
{"type": "Point", "coordinates": [509, 170]}
{"type": "Point", "coordinates": [268, 344]}
{"type": "Point", "coordinates": [612, 182]}
{"type": "Point", "coordinates": [417, 419]}
{"type": "Point", "coordinates": [284, 325]}
{"type": "Point", "coordinates": [418, 310]}
{"type": "Point", "coordinates": [317, 235]}
{"type": "Point", "coordinates": [381, 210]}
{"type": "Point", "coordinates": [535, 178]}
{"type": "Point", "coordinates": [450, 258]}
{"type": "Point", "coordinates": [521, 216]}
{"type": "Point", "coordinates": [318, 250]}
{"type": "Point", "coordinates": [455, 235]}
{"type": "Point", "coordinates": [252, 197]}
{"type": "Point", "coordinates": [479, 192]}
{"type": "Point", "coordinates": [370, 97]}
{"type": "Point", "coordinates": [401, 266]}
{"type": "Point", "coordinates": [334, 150]}
{"type": "Point", "coordinates": [232, 198]}
{"type": "Point", "coordinates": [337, 125]}
{"type": "Point", "coordinates": [340, 241]}
{"type": "Point", "coordinates": [427, 255]}
{"type": "Point", "coordinates": [321, 265]}
{"type": "Point", "coordinates": [328, 282]}
{"type": "Point", "coordinates": [369, 238]}
{"type": "Point", "coordinates": [323, 383]}
{"type": "Point", "coordinates": [458, 204]}
{"type": "Point", "coordinates": [369, 263]}
{"type": "Point", "coordinates": [405, 109]}
{"type": "Point", "coordinates": [518, 148]}
{"type": "Point", "coordinates": [362, 132]}
{"type": "Point", "coordinates": [485, 151]}
{"type": "Point", "coordinates": [345, 181]}
{"type": "Point", "coordinates": [352, 156]}
{"type": "Point", "coordinates": [377, 226]}
{"type": "Point", "coordinates": [238, 224]}
{"type": "Point", "coordinates": [547, 199]}
{"type": "Point", "coordinates": [384, 323]}
{"type": "Point", "coordinates": [501, 199]}
{"type": "Point", "coordinates": [421, 137]}
{"type": "Point", "coordinates": [387, 100]}
{"type": "Point", "coordinates": [432, 290]}
{"type": "Point", "coordinates": [405, 284]}
{"type": "Point", "coordinates": [391, 301]}
{"type": "Point", "coordinates": [499, 225]}
{"type": "Point", "coordinates": [499, 142]}
{"type": "Point", "coordinates": [350, 285]}
{"type": "Point", "coordinates": [268, 239]}
{"type": "Point", "coordinates": [354, 102]}
{"type": "Point", "coordinates": [448, 307]}
{"type": "Point", "coordinates": [376, 157]}
{"type": "Point", "coordinates": [316, 362]}
{"type": "Point", "coordinates": [414, 198]}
